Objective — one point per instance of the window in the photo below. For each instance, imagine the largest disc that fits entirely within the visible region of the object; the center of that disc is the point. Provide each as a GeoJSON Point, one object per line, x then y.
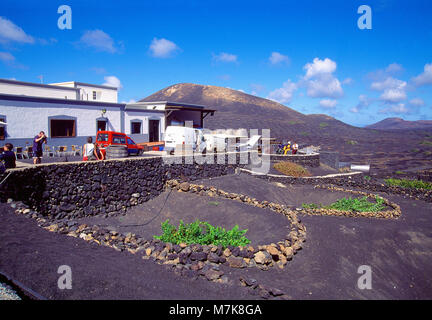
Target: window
{"type": "Point", "coordinates": [135, 127]}
{"type": "Point", "coordinates": [130, 141]}
{"type": "Point", "coordinates": [102, 137]}
{"type": "Point", "coordinates": [2, 128]}
{"type": "Point", "coordinates": [94, 95]}
{"type": "Point", "coordinates": [62, 128]}
{"type": "Point", "coordinates": [101, 125]}
{"type": "Point", "coordinates": [119, 139]}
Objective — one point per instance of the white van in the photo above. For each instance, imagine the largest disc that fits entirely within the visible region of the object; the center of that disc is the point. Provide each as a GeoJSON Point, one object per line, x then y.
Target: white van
{"type": "Point", "coordinates": [215, 142]}
{"type": "Point", "coordinates": [184, 137]}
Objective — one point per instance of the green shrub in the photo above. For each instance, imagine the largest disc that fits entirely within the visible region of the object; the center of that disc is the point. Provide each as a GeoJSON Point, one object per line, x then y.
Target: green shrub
{"type": "Point", "coordinates": [411, 184]}
{"type": "Point", "coordinates": [323, 124]}
{"type": "Point", "coordinates": [359, 205]}
{"type": "Point", "coordinates": [203, 233]}
{"type": "Point", "coordinates": [352, 142]}
{"type": "Point", "coordinates": [311, 206]}
{"type": "Point", "coordinates": [350, 204]}
{"type": "Point", "coordinates": [426, 143]}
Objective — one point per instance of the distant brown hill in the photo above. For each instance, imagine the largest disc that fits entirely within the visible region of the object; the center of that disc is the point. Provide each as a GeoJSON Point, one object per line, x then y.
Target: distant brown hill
{"type": "Point", "coordinates": [400, 124]}
{"type": "Point", "coordinates": [235, 109]}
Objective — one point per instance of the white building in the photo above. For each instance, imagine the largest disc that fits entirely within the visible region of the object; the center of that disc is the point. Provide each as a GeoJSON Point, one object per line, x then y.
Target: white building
{"type": "Point", "coordinates": [69, 112]}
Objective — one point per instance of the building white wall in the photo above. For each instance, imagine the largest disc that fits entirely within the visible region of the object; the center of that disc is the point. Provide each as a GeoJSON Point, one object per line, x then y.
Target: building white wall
{"type": "Point", "coordinates": [86, 91]}
{"type": "Point", "coordinates": [144, 117]}
{"type": "Point", "coordinates": [102, 94]}
{"type": "Point", "coordinates": [25, 119]}
{"type": "Point", "coordinates": [37, 91]}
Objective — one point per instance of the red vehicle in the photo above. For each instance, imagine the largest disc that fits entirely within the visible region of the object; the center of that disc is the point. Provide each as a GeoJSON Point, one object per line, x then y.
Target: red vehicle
{"type": "Point", "coordinates": [106, 138]}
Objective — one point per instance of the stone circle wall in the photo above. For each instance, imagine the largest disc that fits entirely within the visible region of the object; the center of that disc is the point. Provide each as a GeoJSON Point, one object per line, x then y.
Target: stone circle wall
{"type": "Point", "coordinates": [393, 213]}
{"type": "Point", "coordinates": [354, 180]}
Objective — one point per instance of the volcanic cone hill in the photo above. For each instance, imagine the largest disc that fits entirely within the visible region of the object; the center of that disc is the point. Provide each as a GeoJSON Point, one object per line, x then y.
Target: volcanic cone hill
{"type": "Point", "coordinates": [236, 109]}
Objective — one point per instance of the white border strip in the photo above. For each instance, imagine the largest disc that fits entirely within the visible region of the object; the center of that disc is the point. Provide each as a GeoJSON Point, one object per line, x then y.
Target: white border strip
{"type": "Point", "coordinates": [314, 177]}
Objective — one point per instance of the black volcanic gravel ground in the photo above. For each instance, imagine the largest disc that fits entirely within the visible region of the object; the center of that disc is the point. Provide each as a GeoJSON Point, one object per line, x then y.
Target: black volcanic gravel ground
{"type": "Point", "coordinates": [398, 251]}
{"type": "Point", "coordinates": [264, 226]}
{"type": "Point", "coordinates": [32, 256]}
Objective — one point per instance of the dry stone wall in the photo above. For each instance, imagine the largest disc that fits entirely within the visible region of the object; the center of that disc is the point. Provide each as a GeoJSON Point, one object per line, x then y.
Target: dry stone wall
{"type": "Point", "coordinates": [82, 189]}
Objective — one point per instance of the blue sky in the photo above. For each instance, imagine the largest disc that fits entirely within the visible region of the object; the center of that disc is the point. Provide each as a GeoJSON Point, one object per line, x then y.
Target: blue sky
{"type": "Point", "coordinates": [308, 55]}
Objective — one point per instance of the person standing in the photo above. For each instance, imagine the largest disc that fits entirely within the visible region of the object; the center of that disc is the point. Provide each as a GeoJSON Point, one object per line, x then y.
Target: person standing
{"type": "Point", "coordinates": [287, 148]}
{"type": "Point", "coordinates": [7, 157]}
{"type": "Point", "coordinates": [38, 141]}
{"type": "Point", "coordinates": [294, 148]}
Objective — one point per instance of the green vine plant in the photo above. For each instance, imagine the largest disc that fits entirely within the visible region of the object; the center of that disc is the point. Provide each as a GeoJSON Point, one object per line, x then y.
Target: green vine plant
{"type": "Point", "coordinates": [201, 232]}
{"type": "Point", "coordinates": [350, 204]}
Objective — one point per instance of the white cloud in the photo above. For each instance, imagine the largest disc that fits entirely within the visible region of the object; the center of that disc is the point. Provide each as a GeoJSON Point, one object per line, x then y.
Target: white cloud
{"type": "Point", "coordinates": [394, 68]}
{"type": "Point", "coordinates": [278, 58]}
{"type": "Point", "coordinates": [163, 48]}
{"type": "Point", "coordinates": [348, 81]}
{"type": "Point", "coordinates": [382, 74]}
{"type": "Point", "coordinates": [328, 103]}
{"type": "Point", "coordinates": [397, 109]}
{"type": "Point", "coordinates": [112, 81]}
{"type": "Point", "coordinates": [6, 57]}
{"type": "Point", "coordinates": [10, 32]}
{"type": "Point", "coordinates": [388, 83]}
{"type": "Point", "coordinates": [394, 90]}
{"type": "Point", "coordinates": [225, 57]}
{"type": "Point", "coordinates": [284, 94]}
{"type": "Point", "coordinates": [319, 79]}
{"type": "Point", "coordinates": [393, 95]}
{"type": "Point", "coordinates": [364, 102]}
{"type": "Point", "coordinates": [98, 40]}
{"type": "Point", "coordinates": [319, 67]}
{"type": "Point", "coordinates": [324, 86]}
{"type": "Point", "coordinates": [417, 102]}
{"type": "Point", "coordinates": [424, 78]}
{"type": "Point", "coordinates": [9, 60]}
